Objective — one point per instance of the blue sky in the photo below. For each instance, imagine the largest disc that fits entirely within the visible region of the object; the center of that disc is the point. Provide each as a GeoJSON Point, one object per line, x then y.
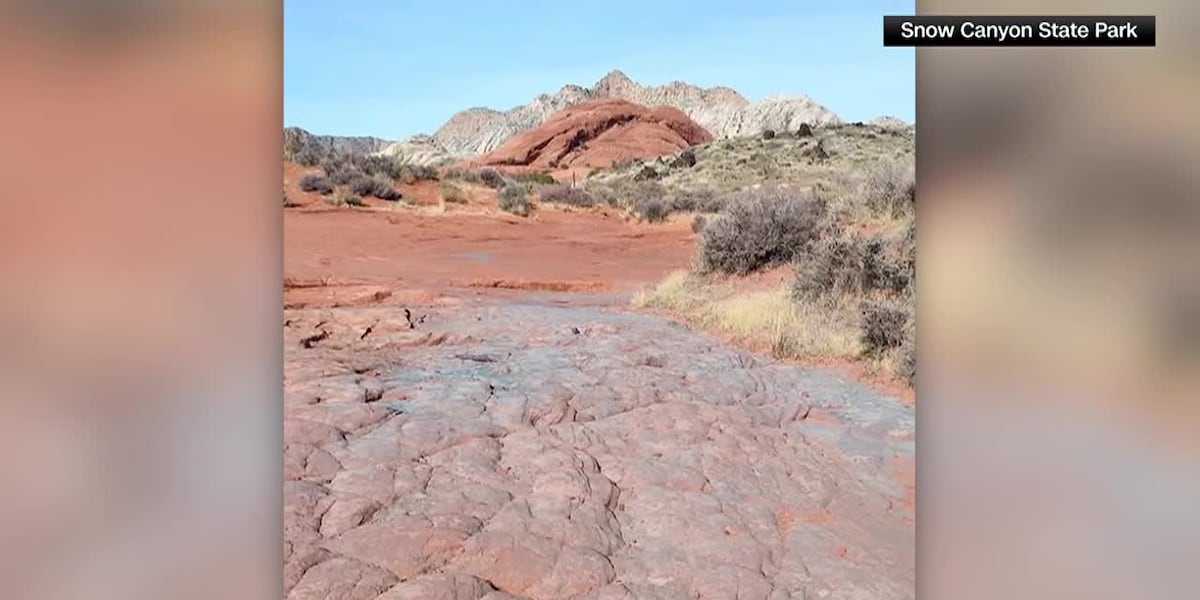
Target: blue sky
{"type": "Point", "coordinates": [393, 69]}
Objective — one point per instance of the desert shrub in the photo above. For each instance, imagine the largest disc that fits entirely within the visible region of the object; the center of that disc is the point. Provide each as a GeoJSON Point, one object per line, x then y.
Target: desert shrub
{"type": "Point", "coordinates": [514, 199]}
{"type": "Point", "coordinates": [643, 190]}
{"type": "Point", "coordinates": [491, 178]}
{"type": "Point", "coordinates": [805, 130]}
{"type": "Point", "coordinates": [361, 184]}
{"type": "Point", "coordinates": [883, 325]}
{"type": "Point", "coordinates": [890, 188]}
{"type": "Point", "coordinates": [384, 191]}
{"type": "Point", "coordinates": [410, 174]}
{"type": "Point", "coordinates": [316, 183]}
{"type": "Point", "coordinates": [308, 157]}
{"type": "Point", "coordinates": [760, 228]}
{"type": "Point", "coordinates": [565, 194]}
{"type": "Point", "coordinates": [686, 159]}
{"type": "Point", "coordinates": [840, 262]}
{"type": "Point", "coordinates": [647, 173]}
{"type": "Point", "coordinates": [344, 197]}
{"type": "Point", "coordinates": [344, 176]}
{"type": "Point", "coordinates": [889, 261]}
{"type": "Point", "coordinates": [698, 224]}
{"type": "Point", "coordinates": [768, 134]}
{"type": "Point", "coordinates": [452, 193]}
{"type": "Point", "coordinates": [539, 177]}
{"type": "Point", "coordinates": [628, 163]}
{"type": "Point", "coordinates": [830, 265]}
{"type": "Point", "coordinates": [906, 364]}
{"type": "Point", "coordinates": [652, 210]}
{"type": "Point", "coordinates": [458, 174]}
{"type": "Point", "coordinates": [701, 200]}
{"type": "Point", "coordinates": [374, 164]}
{"type": "Point", "coordinates": [424, 172]}
{"type": "Point", "coordinates": [377, 186]}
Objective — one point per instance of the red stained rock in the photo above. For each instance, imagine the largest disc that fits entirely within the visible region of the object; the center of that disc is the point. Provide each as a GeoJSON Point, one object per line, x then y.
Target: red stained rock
{"type": "Point", "coordinates": [599, 133]}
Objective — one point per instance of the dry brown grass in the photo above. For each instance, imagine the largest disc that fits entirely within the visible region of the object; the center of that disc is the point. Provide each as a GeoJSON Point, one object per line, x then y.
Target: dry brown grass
{"type": "Point", "coordinates": [766, 319]}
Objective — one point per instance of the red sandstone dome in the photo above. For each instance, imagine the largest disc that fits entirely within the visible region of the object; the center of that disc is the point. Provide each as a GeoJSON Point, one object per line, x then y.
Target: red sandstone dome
{"type": "Point", "coordinates": [597, 134]}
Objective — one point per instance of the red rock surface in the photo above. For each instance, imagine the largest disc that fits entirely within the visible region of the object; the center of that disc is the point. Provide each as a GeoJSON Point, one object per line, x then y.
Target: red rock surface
{"type": "Point", "coordinates": [597, 134]}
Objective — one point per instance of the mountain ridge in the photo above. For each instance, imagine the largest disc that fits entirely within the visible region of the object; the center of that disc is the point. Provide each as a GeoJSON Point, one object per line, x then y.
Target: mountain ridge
{"type": "Point", "coordinates": [721, 110]}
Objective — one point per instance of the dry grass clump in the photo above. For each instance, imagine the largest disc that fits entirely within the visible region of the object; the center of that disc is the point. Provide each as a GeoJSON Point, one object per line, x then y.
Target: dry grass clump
{"type": "Point", "coordinates": [452, 193]}
{"type": "Point", "coordinates": [515, 200]}
{"type": "Point", "coordinates": [769, 319]}
{"type": "Point", "coordinates": [567, 196]}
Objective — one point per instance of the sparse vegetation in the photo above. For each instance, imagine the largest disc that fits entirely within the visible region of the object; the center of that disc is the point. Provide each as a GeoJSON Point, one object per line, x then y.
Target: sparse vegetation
{"type": "Point", "coordinates": [344, 197]}
{"type": "Point", "coordinates": [514, 199]}
{"type": "Point", "coordinates": [700, 200]}
{"type": "Point", "coordinates": [651, 210]}
{"type": "Point", "coordinates": [760, 228]}
{"type": "Point", "coordinates": [452, 193]}
{"type": "Point", "coordinates": [851, 241]}
{"type": "Point", "coordinates": [566, 195]}
{"type": "Point", "coordinates": [883, 324]}
{"type": "Point", "coordinates": [538, 177]}
{"type": "Point", "coordinates": [316, 183]}
{"type": "Point", "coordinates": [377, 186]}
{"type": "Point", "coordinates": [491, 178]}
{"type": "Point", "coordinates": [799, 159]}
{"type": "Point", "coordinates": [685, 160]}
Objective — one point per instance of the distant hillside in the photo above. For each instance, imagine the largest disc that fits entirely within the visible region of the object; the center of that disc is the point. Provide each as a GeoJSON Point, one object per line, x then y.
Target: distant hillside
{"type": "Point", "coordinates": [295, 139]}
{"type": "Point", "coordinates": [599, 133]}
{"type": "Point", "coordinates": [720, 110]}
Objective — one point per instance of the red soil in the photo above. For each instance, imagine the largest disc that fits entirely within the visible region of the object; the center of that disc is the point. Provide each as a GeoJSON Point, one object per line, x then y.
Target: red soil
{"type": "Point", "coordinates": [598, 133]}
{"type": "Point", "coordinates": [473, 246]}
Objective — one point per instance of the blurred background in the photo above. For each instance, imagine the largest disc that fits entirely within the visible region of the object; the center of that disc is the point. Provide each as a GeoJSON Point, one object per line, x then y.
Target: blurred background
{"type": "Point", "coordinates": [1059, 306]}
{"type": "Point", "coordinates": [140, 309]}
{"type": "Point", "coordinates": [1059, 313]}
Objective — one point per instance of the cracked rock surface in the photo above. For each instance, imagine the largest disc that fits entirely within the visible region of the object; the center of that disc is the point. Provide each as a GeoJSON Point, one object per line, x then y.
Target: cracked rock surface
{"type": "Point", "coordinates": [512, 448]}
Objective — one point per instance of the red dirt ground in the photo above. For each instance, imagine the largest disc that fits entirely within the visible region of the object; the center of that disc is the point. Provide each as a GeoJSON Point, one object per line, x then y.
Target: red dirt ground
{"type": "Point", "coordinates": [472, 245]}
{"type": "Point", "coordinates": [388, 252]}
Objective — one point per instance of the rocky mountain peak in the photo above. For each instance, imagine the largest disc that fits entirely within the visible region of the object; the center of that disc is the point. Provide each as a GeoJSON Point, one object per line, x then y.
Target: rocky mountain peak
{"type": "Point", "coordinates": [615, 80]}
